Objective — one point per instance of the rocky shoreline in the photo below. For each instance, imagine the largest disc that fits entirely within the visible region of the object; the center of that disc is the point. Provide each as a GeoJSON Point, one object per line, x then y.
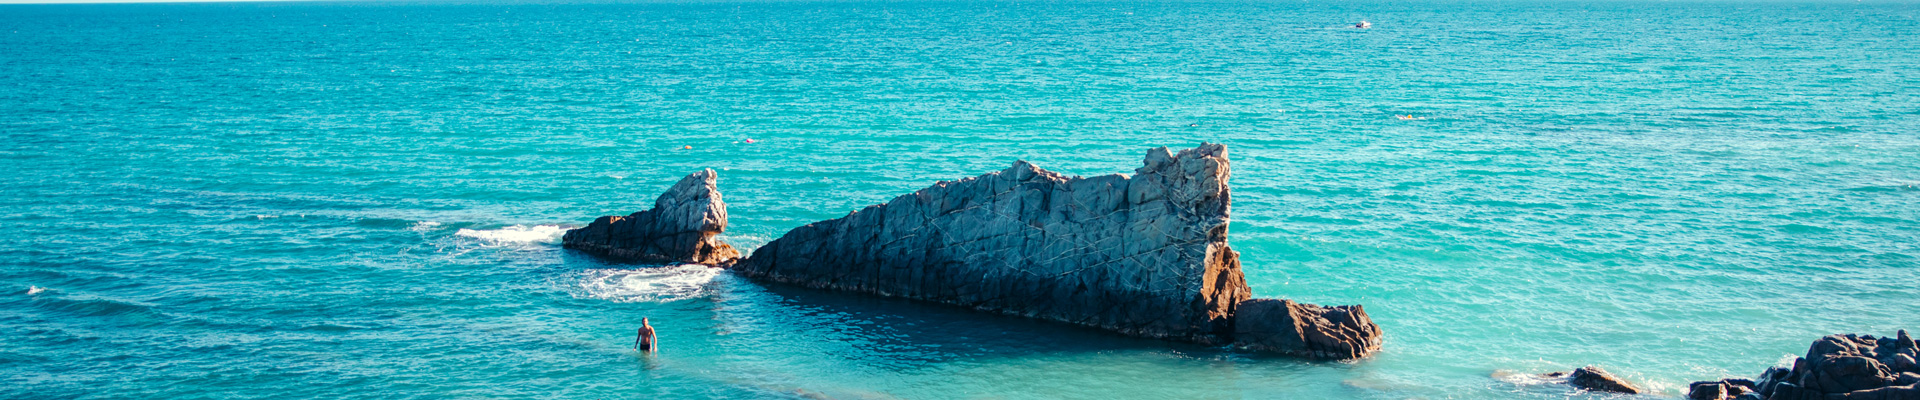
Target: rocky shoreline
{"type": "Point", "coordinates": [1143, 255]}
{"type": "Point", "coordinates": [1836, 367]}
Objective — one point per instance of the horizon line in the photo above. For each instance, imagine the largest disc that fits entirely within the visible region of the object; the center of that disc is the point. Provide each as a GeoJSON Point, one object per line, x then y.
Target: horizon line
{"type": "Point", "coordinates": [53, 2]}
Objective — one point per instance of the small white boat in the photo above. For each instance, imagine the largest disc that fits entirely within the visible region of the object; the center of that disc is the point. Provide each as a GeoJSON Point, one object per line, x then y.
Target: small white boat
{"type": "Point", "coordinates": [1363, 25]}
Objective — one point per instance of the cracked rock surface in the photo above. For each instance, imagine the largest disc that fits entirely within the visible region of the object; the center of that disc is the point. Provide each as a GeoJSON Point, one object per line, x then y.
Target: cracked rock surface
{"type": "Point", "coordinates": [680, 227]}
{"type": "Point", "coordinates": [1144, 255]}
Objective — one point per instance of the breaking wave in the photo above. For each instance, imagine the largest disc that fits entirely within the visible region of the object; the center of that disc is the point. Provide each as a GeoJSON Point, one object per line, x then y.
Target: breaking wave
{"type": "Point", "coordinates": [656, 284]}
{"type": "Point", "coordinates": [516, 234]}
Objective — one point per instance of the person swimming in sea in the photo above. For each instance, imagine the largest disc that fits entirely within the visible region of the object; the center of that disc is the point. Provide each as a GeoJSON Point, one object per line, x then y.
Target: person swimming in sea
{"type": "Point", "coordinates": [645, 340]}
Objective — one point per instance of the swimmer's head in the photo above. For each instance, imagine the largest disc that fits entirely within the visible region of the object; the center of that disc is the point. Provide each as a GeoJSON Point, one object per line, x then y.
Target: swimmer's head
{"type": "Point", "coordinates": [643, 320]}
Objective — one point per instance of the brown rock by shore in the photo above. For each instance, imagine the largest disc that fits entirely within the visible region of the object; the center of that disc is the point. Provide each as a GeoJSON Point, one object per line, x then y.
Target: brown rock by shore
{"type": "Point", "coordinates": [1598, 380]}
{"type": "Point", "coordinates": [1305, 330]}
{"type": "Point", "coordinates": [1594, 379]}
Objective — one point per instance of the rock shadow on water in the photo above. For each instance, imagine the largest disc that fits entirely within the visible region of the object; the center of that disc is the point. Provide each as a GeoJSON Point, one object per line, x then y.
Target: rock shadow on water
{"type": "Point", "coordinates": [911, 339]}
{"type": "Point", "coordinates": [904, 334]}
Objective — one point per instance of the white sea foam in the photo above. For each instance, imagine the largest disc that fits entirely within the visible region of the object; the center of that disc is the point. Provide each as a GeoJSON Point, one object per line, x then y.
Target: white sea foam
{"type": "Point", "coordinates": [657, 284]}
{"type": "Point", "coordinates": [1786, 361]}
{"type": "Point", "coordinates": [424, 226]}
{"type": "Point", "coordinates": [1525, 379]}
{"type": "Point", "coordinates": [516, 234]}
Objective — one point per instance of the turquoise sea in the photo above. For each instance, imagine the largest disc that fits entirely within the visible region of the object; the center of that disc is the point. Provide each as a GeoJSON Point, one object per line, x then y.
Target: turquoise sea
{"type": "Point", "coordinates": [363, 199]}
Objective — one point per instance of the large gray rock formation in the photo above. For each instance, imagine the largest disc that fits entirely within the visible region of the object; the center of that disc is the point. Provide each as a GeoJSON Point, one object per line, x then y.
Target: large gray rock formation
{"type": "Point", "coordinates": [1145, 255]}
{"type": "Point", "coordinates": [680, 227]}
{"type": "Point", "coordinates": [1837, 367]}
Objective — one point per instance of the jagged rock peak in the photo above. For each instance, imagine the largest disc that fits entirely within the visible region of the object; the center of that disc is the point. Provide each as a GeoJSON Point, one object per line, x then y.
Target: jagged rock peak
{"type": "Point", "coordinates": [679, 228]}
{"type": "Point", "coordinates": [1145, 255]}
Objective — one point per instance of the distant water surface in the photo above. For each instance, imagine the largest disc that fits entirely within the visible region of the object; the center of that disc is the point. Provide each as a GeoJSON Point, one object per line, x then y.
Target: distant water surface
{"type": "Point", "coordinates": [363, 199]}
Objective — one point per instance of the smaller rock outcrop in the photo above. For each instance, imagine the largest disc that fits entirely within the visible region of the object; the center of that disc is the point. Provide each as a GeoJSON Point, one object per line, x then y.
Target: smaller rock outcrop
{"type": "Point", "coordinates": [1591, 378]}
{"type": "Point", "coordinates": [1724, 389]}
{"type": "Point", "coordinates": [680, 227]}
{"type": "Point", "coordinates": [1707, 391]}
{"type": "Point", "coordinates": [1305, 330]}
{"type": "Point", "coordinates": [1837, 367]}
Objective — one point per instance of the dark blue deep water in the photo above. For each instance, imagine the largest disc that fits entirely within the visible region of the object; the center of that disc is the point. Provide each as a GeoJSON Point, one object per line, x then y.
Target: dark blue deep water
{"type": "Point", "coordinates": [268, 200]}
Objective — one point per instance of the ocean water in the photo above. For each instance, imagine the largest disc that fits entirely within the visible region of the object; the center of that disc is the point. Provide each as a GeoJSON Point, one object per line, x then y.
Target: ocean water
{"type": "Point", "coordinates": [363, 199]}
